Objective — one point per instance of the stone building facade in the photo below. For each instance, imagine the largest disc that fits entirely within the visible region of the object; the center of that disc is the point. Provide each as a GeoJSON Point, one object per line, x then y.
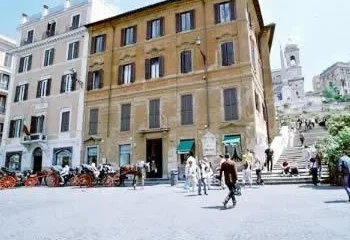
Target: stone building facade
{"type": "Point", "coordinates": [46, 98]}
{"type": "Point", "coordinates": [337, 75]}
{"type": "Point", "coordinates": [178, 76]}
{"type": "Point", "coordinates": [6, 65]}
{"type": "Point", "coordinates": [289, 81]}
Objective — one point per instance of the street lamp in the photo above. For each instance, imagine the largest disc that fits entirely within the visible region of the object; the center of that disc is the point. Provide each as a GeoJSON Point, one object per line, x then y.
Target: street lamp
{"type": "Point", "coordinates": [205, 77]}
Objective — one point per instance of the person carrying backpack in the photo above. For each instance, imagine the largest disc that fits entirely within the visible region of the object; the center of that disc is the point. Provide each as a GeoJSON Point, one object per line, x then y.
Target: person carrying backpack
{"type": "Point", "coordinates": [344, 167]}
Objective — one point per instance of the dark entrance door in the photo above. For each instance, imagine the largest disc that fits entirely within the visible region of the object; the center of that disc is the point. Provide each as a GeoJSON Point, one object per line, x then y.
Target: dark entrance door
{"type": "Point", "coordinates": [155, 152]}
{"type": "Point", "coordinates": [37, 160]}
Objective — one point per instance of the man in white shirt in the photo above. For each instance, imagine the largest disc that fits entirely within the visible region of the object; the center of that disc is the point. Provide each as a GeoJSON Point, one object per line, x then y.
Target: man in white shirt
{"type": "Point", "coordinates": [64, 172]}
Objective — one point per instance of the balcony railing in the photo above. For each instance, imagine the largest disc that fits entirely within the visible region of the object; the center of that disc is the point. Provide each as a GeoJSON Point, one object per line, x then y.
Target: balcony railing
{"type": "Point", "coordinates": [36, 137]}
{"type": "Point", "coordinates": [26, 41]}
{"type": "Point", "coordinates": [48, 34]}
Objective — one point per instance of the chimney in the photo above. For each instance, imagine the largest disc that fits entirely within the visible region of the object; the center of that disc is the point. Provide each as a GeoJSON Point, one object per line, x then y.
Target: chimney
{"type": "Point", "coordinates": [45, 11]}
{"type": "Point", "coordinates": [24, 18]}
{"type": "Point", "coordinates": [67, 4]}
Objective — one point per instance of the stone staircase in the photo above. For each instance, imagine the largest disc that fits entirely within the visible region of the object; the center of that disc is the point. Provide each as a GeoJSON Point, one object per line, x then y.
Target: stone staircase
{"type": "Point", "coordinates": [294, 156]}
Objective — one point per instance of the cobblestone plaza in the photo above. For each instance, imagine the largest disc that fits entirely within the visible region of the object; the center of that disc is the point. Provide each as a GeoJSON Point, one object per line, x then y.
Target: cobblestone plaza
{"type": "Point", "coordinates": [164, 212]}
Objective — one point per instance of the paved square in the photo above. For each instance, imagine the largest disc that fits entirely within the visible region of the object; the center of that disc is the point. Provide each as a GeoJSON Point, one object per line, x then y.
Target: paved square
{"type": "Point", "coordinates": [164, 212]}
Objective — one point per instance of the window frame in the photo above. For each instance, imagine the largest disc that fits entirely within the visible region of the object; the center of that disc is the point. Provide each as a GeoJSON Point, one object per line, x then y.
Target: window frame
{"type": "Point", "coordinates": [122, 119]}
{"type": "Point", "coordinates": [183, 68]}
{"type": "Point", "coordinates": [222, 54]}
{"type": "Point", "coordinates": [184, 111]}
{"type": "Point", "coordinates": [70, 56]}
{"type": "Point", "coordinates": [179, 21]}
{"type": "Point", "coordinates": [155, 125]}
{"type": "Point", "coordinates": [237, 103]}
{"type": "Point", "coordinates": [93, 133]}
{"type": "Point", "coordinates": [72, 19]}
{"type": "Point", "coordinates": [63, 111]}
{"type": "Point", "coordinates": [124, 152]}
{"type": "Point", "coordinates": [50, 51]}
{"type": "Point", "coordinates": [87, 153]}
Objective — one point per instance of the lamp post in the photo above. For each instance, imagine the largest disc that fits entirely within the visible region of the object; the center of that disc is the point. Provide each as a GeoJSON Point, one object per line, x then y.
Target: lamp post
{"type": "Point", "coordinates": [205, 78]}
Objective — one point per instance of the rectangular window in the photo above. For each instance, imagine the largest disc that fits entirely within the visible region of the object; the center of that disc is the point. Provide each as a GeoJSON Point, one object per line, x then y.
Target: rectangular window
{"type": "Point", "coordinates": [154, 68]}
{"type": "Point", "coordinates": [48, 57]}
{"type": "Point", "coordinates": [93, 122]}
{"type": "Point", "coordinates": [186, 110]}
{"type": "Point", "coordinates": [230, 104]}
{"type": "Point", "coordinates": [25, 64]}
{"type": "Point", "coordinates": [155, 28]}
{"type": "Point", "coordinates": [126, 74]}
{"type": "Point", "coordinates": [154, 113]}
{"type": "Point", "coordinates": [65, 121]}
{"type": "Point", "coordinates": [125, 117]}
{"type": "Point", "coordinates": [227, 54]}
{"type": "Point", "coordinates": [75, 22]}
{"type": "Point", "coordinates": [128, 35]}
{"type": "Point", "coordinates": [186, 61]}
{"type": "Point", "coordinates": [37, 124]}
{"type": "Point", "coordinates": [68, 83]}
{"type": "Point", "coordinates": [98, 44]}
{"type": "Point", "coordinates": [43, 88]}
{"type": "Point", "coordinates": [91, 155]}
{"type": "Point", "coordinates": [224, 12]}
{"type": "Point", "coordinates": [124, 154]}
{"type": "Point", "coordinates": [51, 28]}
{"type": "Point", "coordinates": [15, 128]}
{"type": "Point", "coordinates": [13, 161]}
{"type": "Point", "coordinates": [185, 21]}
{"type": "Point", "coordinates": [2, 104]}
{"type": "Point", "coordinates": [73, 50]}
{"type": "Point", "coordinates": [8, 60]}
{"type": "Point", "coordinates": [4, 81]}
{"type": "Point", "coordinates": [30, 36]}
{"type": "Point", "coordinates": [21, 93]}
{"type": "Point", "coordinates": [95, 80]}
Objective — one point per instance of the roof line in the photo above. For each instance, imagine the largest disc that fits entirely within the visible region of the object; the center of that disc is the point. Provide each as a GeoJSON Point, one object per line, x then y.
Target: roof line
{"type": "Point", "coordinates": [145, 8]}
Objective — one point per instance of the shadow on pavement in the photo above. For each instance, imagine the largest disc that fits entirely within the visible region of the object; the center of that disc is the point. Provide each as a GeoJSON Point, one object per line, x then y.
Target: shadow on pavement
{"type": "Point", "coordinates": [191, 195]}
{"type": "Point", "coordinates": [321, 187]}
{"type": "Point", "coordinates": [336, 201]}
{"type": "Point", "coordinates": [215, 207]}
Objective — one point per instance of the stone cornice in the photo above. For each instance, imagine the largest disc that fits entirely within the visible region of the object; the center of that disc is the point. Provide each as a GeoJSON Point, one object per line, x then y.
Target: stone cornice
{"type": "Point", "coordinates": [48, 41]}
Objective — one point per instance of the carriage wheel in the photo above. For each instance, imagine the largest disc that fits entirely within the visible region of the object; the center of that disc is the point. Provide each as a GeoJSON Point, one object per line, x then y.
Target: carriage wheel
{"type": "Point", "coordinates": [108, 181]}
{"type": "Point", "coordinates": [31, 182]}
{"type": "Point", "coordinates": [53, 180]}
{"type": "Point", "coordinates": [75, 180]}
{"type": "Point", "coordinates": [85, 180]}
{"type": "Point", "coordinates": [8, 182]}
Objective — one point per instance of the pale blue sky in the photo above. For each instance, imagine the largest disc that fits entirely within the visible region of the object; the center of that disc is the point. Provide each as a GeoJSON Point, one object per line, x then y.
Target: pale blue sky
{"type": "Point", "coordinates": [318, 26]}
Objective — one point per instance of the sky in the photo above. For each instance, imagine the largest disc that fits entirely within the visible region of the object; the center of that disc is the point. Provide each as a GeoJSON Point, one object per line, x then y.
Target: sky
{"type": "Point", "coordinates": [317, 26]}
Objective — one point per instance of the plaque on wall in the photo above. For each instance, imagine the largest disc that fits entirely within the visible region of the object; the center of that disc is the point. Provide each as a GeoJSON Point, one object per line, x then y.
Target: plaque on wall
{"type": "Point", "coordinates": [209, 144]}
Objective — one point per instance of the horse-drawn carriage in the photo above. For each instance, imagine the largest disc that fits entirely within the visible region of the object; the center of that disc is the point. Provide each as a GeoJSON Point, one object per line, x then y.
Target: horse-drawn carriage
{"type": "Point", "coordinates": [8, 179]}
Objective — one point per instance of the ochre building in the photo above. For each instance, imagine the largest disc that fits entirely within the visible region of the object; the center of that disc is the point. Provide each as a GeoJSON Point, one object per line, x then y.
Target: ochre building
{"type": "Point", "coordinates": [179, 76]}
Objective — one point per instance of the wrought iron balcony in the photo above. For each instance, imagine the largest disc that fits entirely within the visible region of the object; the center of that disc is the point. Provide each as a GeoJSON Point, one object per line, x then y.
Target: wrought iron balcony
{"type": "Point", "coordinates": [35, 137]}
{"type": "Point", "coordinates": [26, 41]}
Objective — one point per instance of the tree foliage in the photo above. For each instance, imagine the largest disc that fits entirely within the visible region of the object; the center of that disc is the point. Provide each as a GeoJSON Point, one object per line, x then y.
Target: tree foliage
{"type": "Point", "coordinates": [338, 141]}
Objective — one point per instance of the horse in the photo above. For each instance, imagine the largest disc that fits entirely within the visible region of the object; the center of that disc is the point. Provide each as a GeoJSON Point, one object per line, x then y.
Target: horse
{"type": "Point", "coordinates": [138, 170]}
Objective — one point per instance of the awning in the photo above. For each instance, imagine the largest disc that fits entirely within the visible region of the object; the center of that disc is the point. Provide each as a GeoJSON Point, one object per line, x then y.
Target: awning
{"type": "Point", "coordinates": [185, 146]}
{"type": "Point", "coordinates": [231, 140]}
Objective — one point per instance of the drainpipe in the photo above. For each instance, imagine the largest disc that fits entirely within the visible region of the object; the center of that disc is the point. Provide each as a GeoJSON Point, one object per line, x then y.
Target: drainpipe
{"type": "Point", "coordinates": [205, 59]}
{"type": "Point", "coordinates": [110, 83]}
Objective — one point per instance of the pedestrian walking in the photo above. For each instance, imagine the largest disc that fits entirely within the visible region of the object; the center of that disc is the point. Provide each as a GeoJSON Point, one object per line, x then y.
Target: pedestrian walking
{"type": "Point", "coordinates": [247, 164]}
{"type": "Point", "coordinates": [229, 171]}
{"type": "Point", "coordinates": [306, 157]}
{"type": "Point", "coordinates": [319, 164]}
{"type": "Point", "coordinates": [258, 167]}
{"type": "Point", "coordinates": [201, 175]}
{"type": "Point", "coordinates": [302, 138]}
{"type": "Point", "coordinates": [193, 181]}
{"type": "Point", "coordinates": [222, 179]}
{"type": "Point", "coordinates": [313, 171]}
{"type": "Point", "coordinates": [344, 167]}
{"type": "Point", "coordinates": [187, 176]}
{"type": "Point", "coordinates": [269, 158]}
{"type": "Point", "coordinates": [208, 172]}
